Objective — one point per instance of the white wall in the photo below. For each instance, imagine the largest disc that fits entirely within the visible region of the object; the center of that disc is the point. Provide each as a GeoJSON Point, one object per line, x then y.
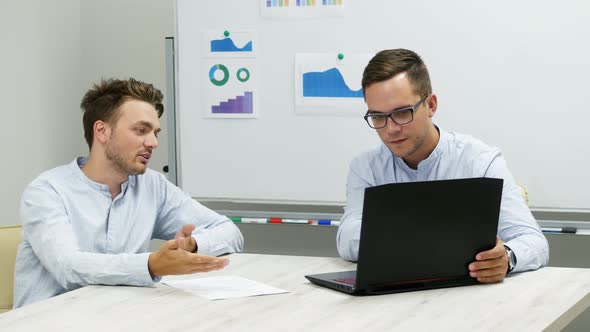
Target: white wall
{"type": "Point", "coordinates": [39, 89]}
{"type": "Point", "coordinates": [51, 53]}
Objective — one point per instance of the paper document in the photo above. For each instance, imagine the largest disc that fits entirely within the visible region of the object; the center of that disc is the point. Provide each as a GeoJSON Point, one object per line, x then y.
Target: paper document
{"type": "Point", "coordinates": [226, 287]}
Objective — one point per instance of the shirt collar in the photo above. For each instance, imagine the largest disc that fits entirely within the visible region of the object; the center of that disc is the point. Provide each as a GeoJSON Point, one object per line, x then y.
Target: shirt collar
{"type": "Point", "coordinates": [77, 165]}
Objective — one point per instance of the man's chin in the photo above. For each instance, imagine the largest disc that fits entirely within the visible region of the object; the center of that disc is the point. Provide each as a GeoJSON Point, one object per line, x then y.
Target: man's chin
{"type": "Point", "coordinates": [397, 151]}
{"type": "Point", "coordinates": [138, 170]}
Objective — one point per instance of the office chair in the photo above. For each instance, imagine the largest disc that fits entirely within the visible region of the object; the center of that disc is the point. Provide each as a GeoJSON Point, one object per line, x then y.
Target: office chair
{"type": "Point", "coordinates": [10, 238]}
{"type": "Point", "coordinates": [524, 192]}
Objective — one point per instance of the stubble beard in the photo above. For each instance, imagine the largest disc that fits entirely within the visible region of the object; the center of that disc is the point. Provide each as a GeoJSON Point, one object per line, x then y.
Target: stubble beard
{"type": "Point", "coordinates": [120, 163]}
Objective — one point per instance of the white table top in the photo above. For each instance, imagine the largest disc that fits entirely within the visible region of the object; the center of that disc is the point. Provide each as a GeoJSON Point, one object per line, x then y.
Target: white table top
{"type": "Point", "coordinates": [545, 299]}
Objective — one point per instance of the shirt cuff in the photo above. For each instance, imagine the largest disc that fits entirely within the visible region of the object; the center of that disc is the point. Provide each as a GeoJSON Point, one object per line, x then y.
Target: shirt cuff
{"type": "Point", "coordinates": [202, 243]}
{"type": "Point", "coordinates": [143, 270]}
{"type": "Point", "coordinates": [517, 251]}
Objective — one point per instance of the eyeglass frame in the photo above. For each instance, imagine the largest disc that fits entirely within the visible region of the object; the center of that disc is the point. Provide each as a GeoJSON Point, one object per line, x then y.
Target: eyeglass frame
{"type": "Point", "coordinates": [387, 116]}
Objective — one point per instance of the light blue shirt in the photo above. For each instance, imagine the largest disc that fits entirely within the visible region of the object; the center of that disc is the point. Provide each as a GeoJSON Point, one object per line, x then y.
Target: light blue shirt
{"type": "Point", "coordinates": [455, 156]}
{"type": "Point", "coordinates": [75, 234]}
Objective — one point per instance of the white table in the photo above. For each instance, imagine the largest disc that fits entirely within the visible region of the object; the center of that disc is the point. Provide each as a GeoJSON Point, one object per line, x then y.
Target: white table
{"type": "Point", "coordinates": [545, 299]}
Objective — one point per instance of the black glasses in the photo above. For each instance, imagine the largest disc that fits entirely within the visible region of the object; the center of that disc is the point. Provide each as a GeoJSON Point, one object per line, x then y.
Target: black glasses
{"type": "Point", "coordinates": [400, 116]}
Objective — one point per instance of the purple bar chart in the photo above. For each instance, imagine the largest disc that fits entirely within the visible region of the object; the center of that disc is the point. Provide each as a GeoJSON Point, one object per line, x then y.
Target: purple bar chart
{"type": "Point", "coordinates": [239, 105]}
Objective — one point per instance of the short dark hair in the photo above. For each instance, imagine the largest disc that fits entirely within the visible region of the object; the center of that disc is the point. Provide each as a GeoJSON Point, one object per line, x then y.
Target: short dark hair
{"type": "Point", "coordinates": [102, 101]}
{"type": "Point", "coordinates": [388, 63]}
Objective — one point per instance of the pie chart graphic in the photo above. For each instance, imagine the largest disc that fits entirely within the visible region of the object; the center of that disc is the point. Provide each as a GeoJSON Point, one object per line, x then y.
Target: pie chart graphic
{"type": "Point", "coordinates": [224, 72]}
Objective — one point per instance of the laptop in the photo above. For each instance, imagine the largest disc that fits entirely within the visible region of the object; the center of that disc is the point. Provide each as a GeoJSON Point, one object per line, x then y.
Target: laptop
{"type": "Point", "coordinates": [420, 235]}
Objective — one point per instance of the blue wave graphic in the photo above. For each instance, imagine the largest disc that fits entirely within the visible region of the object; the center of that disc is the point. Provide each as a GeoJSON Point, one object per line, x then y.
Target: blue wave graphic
{"type": "Point", "coordinates": [227, 45]}
{"type": "Point", "coordinates": [329, 83]}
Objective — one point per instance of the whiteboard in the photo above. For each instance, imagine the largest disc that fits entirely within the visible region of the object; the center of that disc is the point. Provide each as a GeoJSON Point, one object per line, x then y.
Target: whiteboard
{"type": "Point", "coordinates": [514, 74]}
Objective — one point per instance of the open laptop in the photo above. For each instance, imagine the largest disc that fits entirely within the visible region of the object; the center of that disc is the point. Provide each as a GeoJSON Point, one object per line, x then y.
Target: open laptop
{"type": "Point", "coordinates": [420, 235]}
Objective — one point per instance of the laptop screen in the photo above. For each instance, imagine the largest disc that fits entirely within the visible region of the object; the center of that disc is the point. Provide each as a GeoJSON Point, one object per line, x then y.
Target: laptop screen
{"type": "Point", "coordinates": [423, 231]}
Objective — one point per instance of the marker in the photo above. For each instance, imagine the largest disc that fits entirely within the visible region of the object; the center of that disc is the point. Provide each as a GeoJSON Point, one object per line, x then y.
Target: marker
{"type": "Point", "coordinates": [557, 230]}
{"type": "Point", "coordinates": [340, 56]}
{"type": "Point", "coordinates": [569, 230]}
{"type": "Point", "coordinates": [254, 220]}
{"type": "Point", "coordinates": [226, 33]}
{"type": "Point", "coordinates": [235, 219]}
{"type": "Point", "coordinates": [325, 222]}
{"type": "Point", "coordinates": [296, 221]}
{"type": "Point", "coordinates": [275, 220]}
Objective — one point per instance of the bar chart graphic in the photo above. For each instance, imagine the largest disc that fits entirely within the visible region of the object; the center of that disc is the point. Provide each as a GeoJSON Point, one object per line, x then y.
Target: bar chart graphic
{"type": "Point", "coordinates": [301, 9]}
{"type": "Point", "coordinates": [277, 3]}
{"type": "Point", "coordinates": [243, 104]}
{"type": "Point", "coordinates": [329, 83]}
{"type": "Point", "coordinates": [228, 45]}
{"type": "Point", "coordinates": [302, 3]}
{"type": "Point", "coordinates": [331, 2]}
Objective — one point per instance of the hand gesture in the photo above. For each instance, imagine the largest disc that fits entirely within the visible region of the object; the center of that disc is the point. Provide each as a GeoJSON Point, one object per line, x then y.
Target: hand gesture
{"type": "Point", "coordinates": [170, 259]}
{"type": "Point", "coordinates": [184, 238]}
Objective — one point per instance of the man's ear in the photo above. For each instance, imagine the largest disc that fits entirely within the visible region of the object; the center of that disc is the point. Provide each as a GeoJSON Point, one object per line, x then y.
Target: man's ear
{"type": "Point", "coordinates": [432, 104]}
{"type": "Point", "coordinates": [102, 131]}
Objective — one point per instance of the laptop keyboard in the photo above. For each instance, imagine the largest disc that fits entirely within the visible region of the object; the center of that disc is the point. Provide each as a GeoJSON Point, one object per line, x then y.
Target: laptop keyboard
{"type": "Point", "coordinates": [349, 281]}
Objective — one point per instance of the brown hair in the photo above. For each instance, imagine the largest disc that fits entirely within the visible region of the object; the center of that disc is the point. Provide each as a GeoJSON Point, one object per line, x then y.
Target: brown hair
{"type": "Point", "coordinates": [102, 101]}
{"type": "Point", "coordinates": [388, 63]}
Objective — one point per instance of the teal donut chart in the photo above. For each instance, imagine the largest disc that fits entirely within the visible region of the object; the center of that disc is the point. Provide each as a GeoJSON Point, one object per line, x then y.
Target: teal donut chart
{"type": "Point", "coordinates": [239, 74]}
{"type": "Point", "coordinates": [225, 74]}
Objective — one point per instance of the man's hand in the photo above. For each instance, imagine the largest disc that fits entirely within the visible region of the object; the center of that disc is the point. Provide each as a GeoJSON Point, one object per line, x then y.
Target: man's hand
{"type": "Point", "coordinates": [170, 259]}
{"type": "Point", "coordinates": [490, 266]}
{"type": "Point", "coordinates": [184, 238]}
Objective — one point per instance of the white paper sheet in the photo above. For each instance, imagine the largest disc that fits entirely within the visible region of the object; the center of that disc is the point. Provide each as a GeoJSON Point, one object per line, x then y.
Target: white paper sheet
{"type": "Point", "coordinates": [225, 287]}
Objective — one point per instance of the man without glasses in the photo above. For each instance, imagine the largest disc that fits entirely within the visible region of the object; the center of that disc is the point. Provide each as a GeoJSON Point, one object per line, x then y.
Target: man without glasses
{"type": "Point", "coordinates": [91, 221]}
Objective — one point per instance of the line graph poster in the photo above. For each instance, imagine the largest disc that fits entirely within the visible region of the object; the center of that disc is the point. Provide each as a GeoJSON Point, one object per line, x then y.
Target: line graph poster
{"type": "Point", "coordinates": [326, 84]}
{"type": "Point", "coordinates": [230, 44]}
{"type": "Point", "coordinates": [228, 73]}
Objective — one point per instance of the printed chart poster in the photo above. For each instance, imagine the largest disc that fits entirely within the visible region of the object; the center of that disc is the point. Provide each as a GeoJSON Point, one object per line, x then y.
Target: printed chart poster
{"type": "Point", "coordinates": [230, 44]}
{"type": "Point", "coordinates": [229, 88]}
{"type": "Point", "coordinates": [228, 76]}
{"type": "Point", "coordinates": [325, 84]}
{"type": "Point", "coordinates": [286, 9]}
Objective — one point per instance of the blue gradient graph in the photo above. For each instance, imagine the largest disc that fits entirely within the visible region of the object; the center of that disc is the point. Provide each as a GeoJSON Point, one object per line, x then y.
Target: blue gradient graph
{"type": "Point", "coordinates": [329, 83]}
{"type": "Point", "coordinates": [228, 45]}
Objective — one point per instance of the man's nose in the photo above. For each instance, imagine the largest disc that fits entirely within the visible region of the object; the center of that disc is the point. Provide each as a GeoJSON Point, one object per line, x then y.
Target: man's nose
{"type": "Point", "coordinates": [152, 141]}
{"type": "Point", "coordinates": [391, 126]}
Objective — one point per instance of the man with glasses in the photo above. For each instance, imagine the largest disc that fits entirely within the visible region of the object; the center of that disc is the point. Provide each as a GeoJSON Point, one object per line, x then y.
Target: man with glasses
{"type": "Point", "coordinates": [401, 105]}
